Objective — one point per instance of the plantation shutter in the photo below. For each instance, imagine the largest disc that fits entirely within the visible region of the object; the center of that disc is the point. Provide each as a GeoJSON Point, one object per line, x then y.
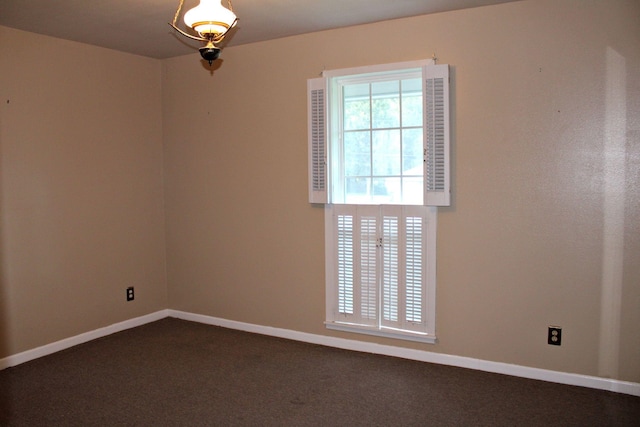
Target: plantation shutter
{"type": "Point", "coordinates": [403, 263]}
{"type": "Point", "coordinates": [436, 136]}
{"type": "Point", "coordinates": [381, 255]}
{"type": "Point", "coordinates": [391, 267]}
{"type": "Point", "coordinates": [317, 140]}
{"type": "Point", "coordinates": [368, 272]}
{"type": "Point", "coordinates": [356, 251]}
{"type": "Point", "coordinates": [345, 241]}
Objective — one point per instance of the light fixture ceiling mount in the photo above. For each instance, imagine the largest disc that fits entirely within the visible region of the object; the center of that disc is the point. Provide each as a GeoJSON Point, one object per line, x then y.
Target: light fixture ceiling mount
{"type": "Point", "coordinates": [211, 21]}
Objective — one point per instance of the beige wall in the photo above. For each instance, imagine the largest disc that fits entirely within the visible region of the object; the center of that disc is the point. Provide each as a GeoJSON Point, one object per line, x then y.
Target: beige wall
{"type": "Point", "coordinates": [545, 214]}
{"type": "Point", "coordinates": [81, 189]}
{"type": "Point", "coordinates": [544, 227]}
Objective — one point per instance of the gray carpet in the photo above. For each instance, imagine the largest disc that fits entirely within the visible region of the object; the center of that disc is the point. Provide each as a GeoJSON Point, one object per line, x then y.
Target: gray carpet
{"type": "Point", "coordinates": [178, 373]}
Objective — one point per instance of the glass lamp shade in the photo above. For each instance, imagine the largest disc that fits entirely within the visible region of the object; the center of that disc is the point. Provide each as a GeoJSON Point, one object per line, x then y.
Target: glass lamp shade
{"type": "Point", "coordinates": [210, 17]}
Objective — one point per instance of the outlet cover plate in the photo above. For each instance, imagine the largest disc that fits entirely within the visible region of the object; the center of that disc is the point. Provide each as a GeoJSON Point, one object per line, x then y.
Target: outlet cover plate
{"type": "Point", "coordinates": [555, 335]}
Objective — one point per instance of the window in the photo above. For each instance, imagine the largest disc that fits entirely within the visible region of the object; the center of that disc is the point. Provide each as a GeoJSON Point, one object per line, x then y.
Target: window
{"type": "Point", "coordinates": [378, 160]}
{"type": "Point", "coordinates": [379, 125]}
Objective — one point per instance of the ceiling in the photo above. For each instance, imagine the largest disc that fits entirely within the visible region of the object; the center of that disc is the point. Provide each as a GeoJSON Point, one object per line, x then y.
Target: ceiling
{"type": "Point", "coordinates": [141, 26]}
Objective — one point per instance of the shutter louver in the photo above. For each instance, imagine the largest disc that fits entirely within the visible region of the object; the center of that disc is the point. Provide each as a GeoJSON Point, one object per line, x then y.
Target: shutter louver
{"type": "Point", "coordinates": [414, 275]}
{"type": "Point", "coordinates": [345, 263]}
{"type": "Point", "coordinates": [368, 268]}
{"type": "Point", "coordinates": [317, 140]}
{"type": "Point", "coordinates": [437, 150]}
{"type": "Point", "coordinates": [390, 268]}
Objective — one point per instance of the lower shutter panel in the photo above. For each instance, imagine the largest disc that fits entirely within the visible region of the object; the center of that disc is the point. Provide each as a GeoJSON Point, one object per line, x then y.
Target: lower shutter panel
{"type": "Point", "coordinates": [380, 273]}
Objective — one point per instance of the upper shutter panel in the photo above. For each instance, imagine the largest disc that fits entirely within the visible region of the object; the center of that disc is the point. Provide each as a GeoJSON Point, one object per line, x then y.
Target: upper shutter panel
{"type": "Point", "coordinates": [437, 145]}
{"type": "Point", "coordinates": [317, 124]}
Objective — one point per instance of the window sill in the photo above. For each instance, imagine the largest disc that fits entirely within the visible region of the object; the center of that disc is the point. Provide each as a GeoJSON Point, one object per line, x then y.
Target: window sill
{"type": "Point", "coordinates": [385, 332]}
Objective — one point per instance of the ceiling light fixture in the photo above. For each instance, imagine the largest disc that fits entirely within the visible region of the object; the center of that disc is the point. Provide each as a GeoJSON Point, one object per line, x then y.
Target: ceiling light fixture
{"type": "Point", "coordinates": [211, 21]}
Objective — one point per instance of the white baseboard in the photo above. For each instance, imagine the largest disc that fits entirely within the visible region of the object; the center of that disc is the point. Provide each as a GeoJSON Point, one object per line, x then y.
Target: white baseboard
{"type": "Point", "coordinates": [346, 344]}
{"type": "Point", "coordinates": [423, 356]}
{"type": "Point", "coordinates": [45, 350]}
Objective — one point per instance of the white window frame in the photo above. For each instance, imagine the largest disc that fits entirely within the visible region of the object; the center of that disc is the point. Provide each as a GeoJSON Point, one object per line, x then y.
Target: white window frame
{"type": "Point", "coordinates": [435, 80]}
{"type": "Point", "coordinates": [337, 81]}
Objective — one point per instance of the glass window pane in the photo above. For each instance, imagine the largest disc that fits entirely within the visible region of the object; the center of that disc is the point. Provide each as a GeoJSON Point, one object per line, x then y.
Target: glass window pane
{"type": "Point", "coordinates": [411, 102]}
{"type": "Point", "coordinates": [412, 191]}
{"type": "Point", "coordinates": [386, 152]}
{"type": "Point", "coordinates": [381, 159]}
{"type": "Point", "coordinates": [357, 190]}
{"type": "Point", "coordinates": [386, 190]}
{"type": "Point", "coordinates": [386, 104]}
{"type": "Point", "coordinates": [357, 109]}
{"type": "Point", "coordinates": [412, 152]}
{"type": "Point", "coordinates": [357, 153]}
